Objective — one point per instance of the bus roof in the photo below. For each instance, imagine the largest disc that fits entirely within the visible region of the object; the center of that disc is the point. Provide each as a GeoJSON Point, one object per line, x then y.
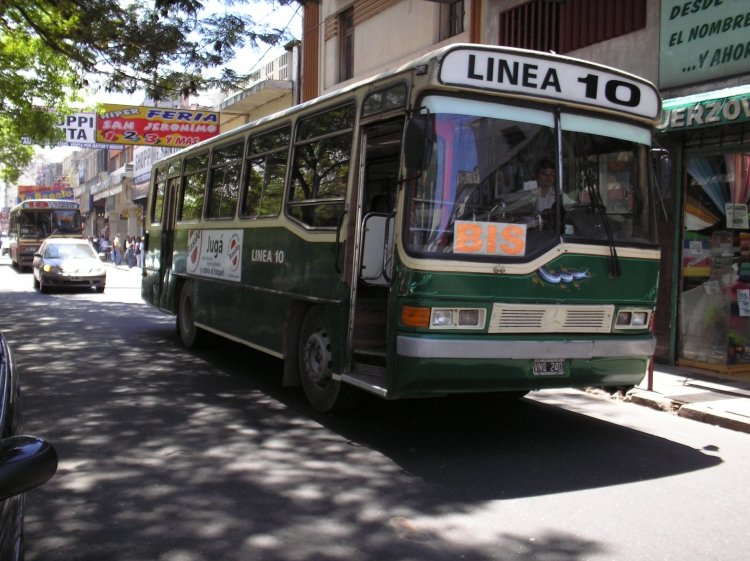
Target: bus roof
{"type": "Point", "coordinates": [46, 203]}
{"type": "Point", "coordinates": [525, 70]}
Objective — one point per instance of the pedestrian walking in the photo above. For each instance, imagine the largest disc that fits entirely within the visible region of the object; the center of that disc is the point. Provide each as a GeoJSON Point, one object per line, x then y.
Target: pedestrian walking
{"type": "Point", "coordinates": [139, 252]}
{"type": "Point", "coordinates": [130, 252]}
{"type": "Point", "coordinates": [117, 249]}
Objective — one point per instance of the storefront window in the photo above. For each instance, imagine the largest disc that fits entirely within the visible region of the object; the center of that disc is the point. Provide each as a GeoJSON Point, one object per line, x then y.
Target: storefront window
{"type": "Point", "coordinates": [715, 299]}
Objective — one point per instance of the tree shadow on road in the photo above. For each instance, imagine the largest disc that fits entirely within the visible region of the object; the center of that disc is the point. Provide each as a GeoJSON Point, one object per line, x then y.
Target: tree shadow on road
{"type": "Point", "coordinates": [192, 456]}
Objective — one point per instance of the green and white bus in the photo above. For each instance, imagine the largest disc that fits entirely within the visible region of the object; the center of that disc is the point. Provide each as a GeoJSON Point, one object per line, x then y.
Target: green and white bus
{"type": "Point", "coordinates": [391, 237]}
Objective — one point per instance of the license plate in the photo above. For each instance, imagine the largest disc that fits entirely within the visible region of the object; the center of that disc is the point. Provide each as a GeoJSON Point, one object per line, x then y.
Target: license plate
{"type": "Point", "coordinates": [549, 368]}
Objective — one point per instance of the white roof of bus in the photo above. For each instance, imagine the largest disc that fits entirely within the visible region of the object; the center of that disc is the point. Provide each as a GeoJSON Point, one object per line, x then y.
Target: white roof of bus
{"type": "Point", "coordinates": [436, 55]}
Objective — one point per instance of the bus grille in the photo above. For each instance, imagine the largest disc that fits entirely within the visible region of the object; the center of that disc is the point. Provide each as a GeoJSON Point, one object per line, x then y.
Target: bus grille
{"type": "Point", "coordinates": [543, 318]}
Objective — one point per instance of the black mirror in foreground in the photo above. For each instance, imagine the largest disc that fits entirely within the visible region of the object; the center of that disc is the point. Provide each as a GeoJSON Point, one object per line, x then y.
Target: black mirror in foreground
{"type": "Point", "coordinates": [26, 462]}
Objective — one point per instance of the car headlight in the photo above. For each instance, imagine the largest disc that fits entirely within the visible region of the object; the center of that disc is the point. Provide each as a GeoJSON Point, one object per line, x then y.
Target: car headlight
{"type": "Point", "coordinates": [47, 268]}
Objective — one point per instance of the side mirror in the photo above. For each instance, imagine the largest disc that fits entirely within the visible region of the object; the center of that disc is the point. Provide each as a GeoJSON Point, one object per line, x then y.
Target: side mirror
{"type": "Point", "coordinates": [662, 165]}
{"type": "Point", "coordinates": [418, 143]}
{"type": "Point", "coordinates": [26, 462]}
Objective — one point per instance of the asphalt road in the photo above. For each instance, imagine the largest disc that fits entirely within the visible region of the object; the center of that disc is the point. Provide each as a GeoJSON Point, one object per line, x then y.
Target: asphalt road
{"type": "Point", "coordinates": [173, 455]}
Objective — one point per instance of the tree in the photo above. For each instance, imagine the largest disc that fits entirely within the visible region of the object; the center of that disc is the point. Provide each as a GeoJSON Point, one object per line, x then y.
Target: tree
{"type": "Point", "coordinates": [50, 49]}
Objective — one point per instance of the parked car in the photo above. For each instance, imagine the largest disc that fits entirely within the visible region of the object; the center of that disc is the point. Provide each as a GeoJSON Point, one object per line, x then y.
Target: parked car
{"type": "Point", "coordinates": [71, 262]}
{"type": "Point", "coordinates": [25, 461]}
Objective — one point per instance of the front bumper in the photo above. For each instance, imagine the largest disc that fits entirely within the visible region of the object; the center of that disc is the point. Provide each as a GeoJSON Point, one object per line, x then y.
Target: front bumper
{"type": "Point", "coordinates": [439, 366]}
{"type": "Point", "coordinates": [74, 281]}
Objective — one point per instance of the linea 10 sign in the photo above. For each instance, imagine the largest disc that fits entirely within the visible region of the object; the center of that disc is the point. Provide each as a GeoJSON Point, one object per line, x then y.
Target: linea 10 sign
{"type": "Point", "coordinates": [565, 79]}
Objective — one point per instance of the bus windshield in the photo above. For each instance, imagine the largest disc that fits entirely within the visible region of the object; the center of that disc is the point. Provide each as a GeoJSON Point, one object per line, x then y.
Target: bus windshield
{"type": "Point", "coordinates": [491, 188]}
{"type": "Point", "coordinates": [38, 224]}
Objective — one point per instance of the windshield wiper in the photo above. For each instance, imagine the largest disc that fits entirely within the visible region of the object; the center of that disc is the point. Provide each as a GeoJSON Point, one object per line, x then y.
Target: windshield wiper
{"type": "Point", "coordinates": [590, 182]}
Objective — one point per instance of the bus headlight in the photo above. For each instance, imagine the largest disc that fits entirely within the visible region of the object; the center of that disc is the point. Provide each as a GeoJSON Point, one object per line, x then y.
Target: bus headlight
{"type": "Point", "coordinates": [443, 318]}
{"type": "Point", "coordinates": [457, 318]}
{"type": "Point", "coordinates": [632, 319]}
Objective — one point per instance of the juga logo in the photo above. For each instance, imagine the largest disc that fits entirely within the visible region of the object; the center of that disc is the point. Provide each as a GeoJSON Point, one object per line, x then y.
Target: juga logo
{"type": "Point", "coordinates": [193, 248]}
{"type": "Point", "coordinates": [234, 251]}
{"type": "Point", "coordinates": [215, 247]}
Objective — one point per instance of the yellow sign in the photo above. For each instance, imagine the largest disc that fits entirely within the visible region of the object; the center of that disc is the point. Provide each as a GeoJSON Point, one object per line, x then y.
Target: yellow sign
{"type": "Point", "coordinates": [155, 126]}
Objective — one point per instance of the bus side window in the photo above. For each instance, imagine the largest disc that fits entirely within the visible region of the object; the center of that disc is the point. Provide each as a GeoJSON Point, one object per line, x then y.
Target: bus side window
{"type": "Point", "coordinates": [224, 183]}
{"type": "Point", "coordinates": [193, 187]}
{"type": "Point", "coordinates": [159, 189]}
{"type": "Point", "coordinates": [266, 171]}
{"type": "Point", "coordinates": [320, 169]}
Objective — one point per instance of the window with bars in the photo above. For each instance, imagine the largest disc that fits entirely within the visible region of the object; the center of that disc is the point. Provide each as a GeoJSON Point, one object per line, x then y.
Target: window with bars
{"type": "Point", "coordinates": [564, 26]}
{"type": "Point", "coordinates": [346, 44]}
{"type": "Point", "coordinates": [451, 19]}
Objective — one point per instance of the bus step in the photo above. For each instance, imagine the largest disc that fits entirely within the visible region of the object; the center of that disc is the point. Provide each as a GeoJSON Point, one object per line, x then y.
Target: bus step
{"type": "Point", "coordinates": [368, 382]}
{"type": "Point", "coordinates": [370, 355]}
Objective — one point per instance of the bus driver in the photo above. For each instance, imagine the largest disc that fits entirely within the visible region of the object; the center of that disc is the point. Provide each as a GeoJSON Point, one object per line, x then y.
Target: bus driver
{"type": "Point", "coordinates": [545, 187]}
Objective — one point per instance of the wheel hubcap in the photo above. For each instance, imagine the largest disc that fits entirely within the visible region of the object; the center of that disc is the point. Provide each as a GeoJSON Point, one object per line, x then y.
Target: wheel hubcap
{"type": "Point", "coordinates": [318, 358]}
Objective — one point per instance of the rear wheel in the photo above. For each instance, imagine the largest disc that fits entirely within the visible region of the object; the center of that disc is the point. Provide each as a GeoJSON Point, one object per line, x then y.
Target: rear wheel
{"type": "Point", "coordinates": [315, 366]}
{"type": "Point", "coordinates": [191, 335]}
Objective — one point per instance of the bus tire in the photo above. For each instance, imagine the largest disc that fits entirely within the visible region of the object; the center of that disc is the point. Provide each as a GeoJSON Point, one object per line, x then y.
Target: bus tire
{"type": "Point", "coordinates": [190, 335]}
{"type": "Point", "coordinates": [315, 366]}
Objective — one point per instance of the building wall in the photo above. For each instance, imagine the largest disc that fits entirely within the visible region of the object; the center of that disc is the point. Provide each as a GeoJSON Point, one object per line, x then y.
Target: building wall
{"type": "Point", "coordinates": [635, 52]}
{"type": "Point", "coordinates": [386, 34]}
{"type": "Point", "coordinates": [230, 121]}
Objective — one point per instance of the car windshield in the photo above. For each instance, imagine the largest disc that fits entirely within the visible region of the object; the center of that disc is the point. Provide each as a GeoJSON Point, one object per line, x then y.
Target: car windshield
{"type": "Point", "coordinates": [491, 191]}
{"type": "Point", "coordinates": [69, 251]}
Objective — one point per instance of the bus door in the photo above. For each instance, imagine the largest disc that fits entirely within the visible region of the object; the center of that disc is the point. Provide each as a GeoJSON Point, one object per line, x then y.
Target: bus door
{"type": "Point", "coordinates": [373, 250]}
{"type": "Point", "coordinates": [166, 284]}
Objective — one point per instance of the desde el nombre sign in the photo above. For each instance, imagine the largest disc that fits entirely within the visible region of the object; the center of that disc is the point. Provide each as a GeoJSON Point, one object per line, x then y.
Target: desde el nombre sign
{"type": "Point", "coordinates": [703, 40]}
{"type": "Point", "coordinates": [155, 126]}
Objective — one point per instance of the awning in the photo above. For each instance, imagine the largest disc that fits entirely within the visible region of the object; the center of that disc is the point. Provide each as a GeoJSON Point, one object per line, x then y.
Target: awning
{"type": "Point", "coordinates": [707, 109]}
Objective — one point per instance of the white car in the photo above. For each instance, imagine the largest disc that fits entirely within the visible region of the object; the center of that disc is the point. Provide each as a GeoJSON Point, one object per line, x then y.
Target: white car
{"type": "Point", "coordinates": [71, 262]}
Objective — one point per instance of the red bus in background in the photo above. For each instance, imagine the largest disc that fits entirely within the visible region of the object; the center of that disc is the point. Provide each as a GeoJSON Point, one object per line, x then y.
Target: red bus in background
{"type": "Point", "coordinates": [34, 220]}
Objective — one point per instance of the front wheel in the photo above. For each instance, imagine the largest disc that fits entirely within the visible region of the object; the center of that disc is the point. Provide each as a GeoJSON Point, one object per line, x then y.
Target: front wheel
{"type": "Point", "coordinates": [315, 366]}
{"type": "Point", "coordinates": [191, 335]}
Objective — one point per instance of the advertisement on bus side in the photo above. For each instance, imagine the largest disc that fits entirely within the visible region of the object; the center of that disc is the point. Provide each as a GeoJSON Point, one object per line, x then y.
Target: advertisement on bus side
{"type": "Point", "coordinates": [215, 254]}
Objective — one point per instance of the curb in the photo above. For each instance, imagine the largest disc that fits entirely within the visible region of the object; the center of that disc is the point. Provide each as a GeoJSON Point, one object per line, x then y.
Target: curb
{"type": "Point", "coordinates": [724, 419]}
{"type": "Point", "coordinates": [701, 413]}
{"type": "Point", "coordinates": [652, 400]}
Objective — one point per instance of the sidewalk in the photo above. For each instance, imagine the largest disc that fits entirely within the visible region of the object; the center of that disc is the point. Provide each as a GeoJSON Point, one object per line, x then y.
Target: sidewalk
{"type": "Point", "coordinates": [714, 400]}
{"type": "Point", "coordinates": [122, 266]}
